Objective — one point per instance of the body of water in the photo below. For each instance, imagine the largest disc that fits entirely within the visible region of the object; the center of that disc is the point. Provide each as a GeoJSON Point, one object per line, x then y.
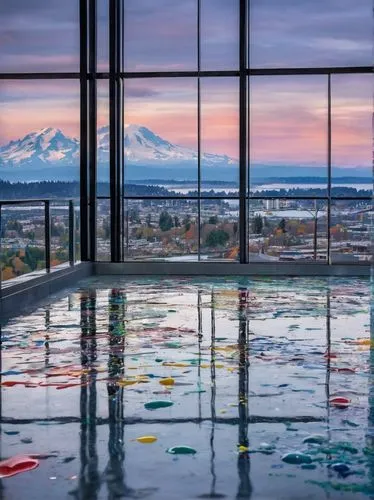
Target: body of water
{"type": "Point", "coordinates": [267, 187]}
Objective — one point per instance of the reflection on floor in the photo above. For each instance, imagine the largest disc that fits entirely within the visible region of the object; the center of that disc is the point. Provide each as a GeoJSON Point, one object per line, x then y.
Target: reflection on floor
{"type": "Point", "coordinates": [263, 386]}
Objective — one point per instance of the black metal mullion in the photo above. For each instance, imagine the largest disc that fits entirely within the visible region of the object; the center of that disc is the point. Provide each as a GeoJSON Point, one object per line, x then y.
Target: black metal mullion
{"type": "Point", "coordinates": [310, 71]}
{"type": "Point", "coordinates": [329, 168]}
{"type": "Point", "coordinates": [248, 110]}
{"type": "Point", "coordinates": [122, 65]}
{"type": "Point", "coordinates": [47, 235]}
{"type": "Point", "coordinates": [112, 139]}
{"type": "Point", "coordinates": [71, 233]}
{"type": "Point", "coordinates": [92, 125]}
{"type": "Point", "coordinates": [114, 132]}
{"type": "Point", "coordinates": [243, 49]}
{"type": "Point", "coordinates": [120, 124]}
{"type": "Point", "coordinates": [1, 279]}
{"type": "Point", "coordinates": [198, 130]}
{"type": "Point", "coordinates": [177, 74]}
{"type": "Point", "coordinates": [84, 129]}
{"type": "Point", "coordinates": [168, 74]}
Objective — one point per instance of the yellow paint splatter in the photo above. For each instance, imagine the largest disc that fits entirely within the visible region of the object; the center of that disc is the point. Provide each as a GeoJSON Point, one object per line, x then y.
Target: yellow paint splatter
{"type": "Point", "coordinates": [146, 439]}
{"type": "Point", "coordinates": [167, 381]}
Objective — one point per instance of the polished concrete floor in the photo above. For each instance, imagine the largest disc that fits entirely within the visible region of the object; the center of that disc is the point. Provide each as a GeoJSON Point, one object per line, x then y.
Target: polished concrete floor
{"type": "Point", "coordinates": [191, 388]}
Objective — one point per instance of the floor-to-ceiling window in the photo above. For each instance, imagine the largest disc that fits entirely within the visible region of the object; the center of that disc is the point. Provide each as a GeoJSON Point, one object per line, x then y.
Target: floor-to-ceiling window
{"type": "Point", "coordinates": [310, 132]}
{"type": "Point", "coordinates": [39, 133]}
{"type": "Point", "coordinates": [226, 130]}
{"type": "Point", "coordinates": [245, 131]}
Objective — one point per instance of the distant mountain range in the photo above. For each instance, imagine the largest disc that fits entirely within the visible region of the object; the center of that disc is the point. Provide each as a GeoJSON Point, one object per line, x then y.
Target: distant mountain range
{"type": "Point", "coordinates": [48, 154]}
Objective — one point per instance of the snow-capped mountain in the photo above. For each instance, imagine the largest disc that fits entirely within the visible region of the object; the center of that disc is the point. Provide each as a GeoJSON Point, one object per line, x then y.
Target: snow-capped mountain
{"type": "Point", "coordinates": [144, 147]}
{"type": "Point", "coordinates": [48, 146]}
{"type": "Point", "coordinates": [49, 154]}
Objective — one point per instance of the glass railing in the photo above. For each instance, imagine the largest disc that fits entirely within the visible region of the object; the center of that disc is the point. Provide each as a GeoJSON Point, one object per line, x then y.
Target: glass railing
{"type": "Point", "coordinates": [37, 236]}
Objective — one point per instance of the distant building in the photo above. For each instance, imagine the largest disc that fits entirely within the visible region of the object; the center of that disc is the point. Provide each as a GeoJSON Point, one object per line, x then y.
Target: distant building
{"type": "Point", "coordinates": [272, 204]}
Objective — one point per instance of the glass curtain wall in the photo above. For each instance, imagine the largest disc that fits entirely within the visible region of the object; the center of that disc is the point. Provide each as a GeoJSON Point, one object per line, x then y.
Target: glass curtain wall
{"type": "Point", "coordinates": [238, 132]}
{"type": "Point", "coordinates": [186, 130]}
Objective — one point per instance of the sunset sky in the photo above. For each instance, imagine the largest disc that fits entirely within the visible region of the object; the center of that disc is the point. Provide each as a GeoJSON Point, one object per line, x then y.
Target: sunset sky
{"type": "Point", "coordinates": [288, 114]}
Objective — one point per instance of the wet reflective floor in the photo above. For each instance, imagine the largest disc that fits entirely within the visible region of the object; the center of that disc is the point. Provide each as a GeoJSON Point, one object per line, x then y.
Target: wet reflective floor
{"type": "Point", "coordinates": [191, 388]}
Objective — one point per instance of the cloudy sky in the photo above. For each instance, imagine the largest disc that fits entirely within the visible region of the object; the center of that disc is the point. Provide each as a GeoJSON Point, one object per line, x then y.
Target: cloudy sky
{"type": "Point", "coordinates": [288, 114]}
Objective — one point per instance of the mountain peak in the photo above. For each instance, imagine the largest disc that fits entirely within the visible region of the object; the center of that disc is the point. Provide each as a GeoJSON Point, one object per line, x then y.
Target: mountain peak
{"type": "Point", "coordinates": [49, 146]}
{"type": "Point", "coordinates": [49, 132]}
{"type": "Point", "coordinates": [45, 146]}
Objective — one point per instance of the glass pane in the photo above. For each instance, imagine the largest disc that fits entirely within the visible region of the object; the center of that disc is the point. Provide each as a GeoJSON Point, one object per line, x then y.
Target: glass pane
{"type": "Point", "coordinates": [103, 174]}
{"type": "Point", "coordinates": [160, 36]}
{"type": "Point", "coordinates": [351, 134]}
{"type": "Point", "coordinates": [350, 231]}
{"type": "Point", "coordinates": [39, 135]}
{"type": "Point", "coordinates": [310, 34]}
{"type": "Point", "coordinates": [219, 32]}
{"type": "Point", "coordinates": [103, 230]}
{"type": "Point", "coordinates": [287, 230]}
{"type": "Point", "coordinates": [39, 36]}
{"type": "Point", "coordinates": [288, 134]}
{"type": "Point", "coordinates": [39, 143]}
{"type": "Point", "coordinates": [160, 136]}
{"type": "Point", "coordinates": [59, 213]}
{"type": "Point", "coordinates": [161, 230]}
{"type": "Point", "coordinates": [22, 248]}
{"type": "Point", "coordinates": [219, 230]}
{"type": "Point", "coordinates": [220, 135]}
{"type": "Point", "coordinates": [102, 35]}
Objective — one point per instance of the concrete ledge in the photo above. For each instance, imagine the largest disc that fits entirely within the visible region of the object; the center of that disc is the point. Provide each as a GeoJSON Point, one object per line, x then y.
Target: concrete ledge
{"type": "Point", "coordinates": [17, 297]}
{"type": "Point", "coordinates": [230, 268]}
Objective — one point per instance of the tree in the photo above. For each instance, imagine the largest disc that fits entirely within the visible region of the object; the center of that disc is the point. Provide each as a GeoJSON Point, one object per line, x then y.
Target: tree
{"type": "Point", "coordinates": [30, 235]}
{"type": "Point", "coordinates": [148, 220]}
{"type": "Point", "coordinates": [217, 238]}
{"type": "Point", "coordinates": [33, 255]}
{"type": "Point", "coordinates": [176, 221]}
{"type": "Point", "coordinates": [282, 226]}
{"type": "Point", "coordinates": [7, 273]}
{"type": "Point", "coordinates": [134, 216]}
{"type": "Point", "coordinates": [213, 220]}
{"type": "Point", "coordinates": [57, 229]}
{"type": "Point", "coordinates": [187, 223]}
{"type": "Point", "coordinates": [166, 221]}
{"type": "Point", "coordinates": [314, 213]}
{"type": "Point", "coordinates": [14, 225]}
{"type": "Point", "coordinates": [106, 228]}
{"type": "Point", "coordinates": [257, 224]}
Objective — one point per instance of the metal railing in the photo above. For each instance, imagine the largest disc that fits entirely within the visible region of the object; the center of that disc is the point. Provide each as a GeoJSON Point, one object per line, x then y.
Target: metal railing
{"type": "Point", "coordinates": [46, 208]}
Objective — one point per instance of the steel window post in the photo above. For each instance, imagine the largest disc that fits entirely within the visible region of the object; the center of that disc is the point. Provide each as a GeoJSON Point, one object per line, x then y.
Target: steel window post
{"type": "Point", "coordinates": [329, 168]}
{"type": "Point", "coordinates": [47, 234]}
{"type": "Point", "coordinates": [114, 128]}
{"type": "Point", "coordinates": [243, 50]}
{"type": "Point", "coordinates": [71, 233]}
{"type": "Point", "coordinates": [84, 240]}
{"type": "Point", "coordinates": [92, 128]}
{"type": "Point", "coordinates": [1, 267]}
{"type": "Point", "coordinates": [199, 130]}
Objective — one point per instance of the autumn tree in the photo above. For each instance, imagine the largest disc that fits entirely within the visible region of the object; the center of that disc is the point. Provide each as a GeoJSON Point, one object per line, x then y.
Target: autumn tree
{"type": "Point", "coordinates": [257, 224]}
{"type": "Point", "coordinates": [217, 238]}
{"type": "Point", "coordinates": [166, 221]}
